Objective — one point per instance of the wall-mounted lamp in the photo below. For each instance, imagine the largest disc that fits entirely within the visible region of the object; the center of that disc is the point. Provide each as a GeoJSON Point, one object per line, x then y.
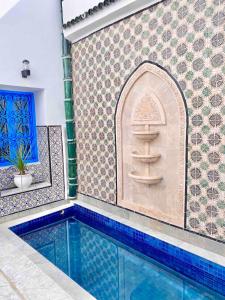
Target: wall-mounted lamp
{"type": "Point", "coordinates": [26, 69]}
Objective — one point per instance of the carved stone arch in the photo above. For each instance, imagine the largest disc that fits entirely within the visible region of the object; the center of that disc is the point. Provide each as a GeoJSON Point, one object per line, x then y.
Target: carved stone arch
{"type": "Point", "coordinates": [151, 145]}
{"type": "Point", "coordinates": [149, 110]}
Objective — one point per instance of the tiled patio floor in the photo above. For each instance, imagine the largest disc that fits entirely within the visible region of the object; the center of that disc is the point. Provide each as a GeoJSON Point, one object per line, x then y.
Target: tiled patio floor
{"type": "Point", "coordinates": [7, 289]}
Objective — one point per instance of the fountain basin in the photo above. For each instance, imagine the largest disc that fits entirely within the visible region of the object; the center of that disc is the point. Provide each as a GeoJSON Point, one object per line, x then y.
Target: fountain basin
{"type": "Point", "coordinates": [151, 158]}
{"type": "Point", "coordinates": [146, 135]}
{"type": "Point", "coordinates": [150, 180]}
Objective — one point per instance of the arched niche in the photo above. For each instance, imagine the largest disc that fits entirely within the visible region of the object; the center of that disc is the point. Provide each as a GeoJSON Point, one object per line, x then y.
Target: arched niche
{"type": "Point", "coordinates": [151, 145]}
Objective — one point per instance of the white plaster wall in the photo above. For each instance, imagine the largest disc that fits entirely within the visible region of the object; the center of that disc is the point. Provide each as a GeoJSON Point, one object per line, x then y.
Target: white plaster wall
{"type": "Point", "coordinates": [32, 30]}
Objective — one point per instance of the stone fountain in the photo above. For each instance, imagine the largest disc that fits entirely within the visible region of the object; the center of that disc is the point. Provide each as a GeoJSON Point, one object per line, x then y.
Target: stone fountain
{"type": "Point", "coordinates": [151, 145]}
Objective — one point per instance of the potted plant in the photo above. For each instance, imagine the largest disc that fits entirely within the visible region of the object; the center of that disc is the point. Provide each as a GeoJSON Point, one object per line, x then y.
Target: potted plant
{"type": "Point", "coordinates": [23, 179]}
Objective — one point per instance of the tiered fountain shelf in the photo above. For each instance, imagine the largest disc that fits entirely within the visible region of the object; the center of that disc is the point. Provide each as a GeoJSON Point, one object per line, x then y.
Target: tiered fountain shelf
{"type": "Point", "coordinates": [148, 158]}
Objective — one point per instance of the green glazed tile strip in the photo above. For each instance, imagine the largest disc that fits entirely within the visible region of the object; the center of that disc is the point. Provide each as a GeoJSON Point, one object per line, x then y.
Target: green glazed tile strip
{"type": "Point", "coordinates": [69, 109]}
{"type": "Point", "coordinates": [69, 114]}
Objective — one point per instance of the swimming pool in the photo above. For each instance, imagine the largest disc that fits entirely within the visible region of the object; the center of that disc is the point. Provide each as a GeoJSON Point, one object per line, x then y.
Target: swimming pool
{"type": "Point", "coordinates": [113, 261]}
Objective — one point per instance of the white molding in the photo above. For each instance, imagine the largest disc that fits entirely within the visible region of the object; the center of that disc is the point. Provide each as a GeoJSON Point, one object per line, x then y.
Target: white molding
{"type": "Point", "coordinates": [34, 186]}
{"type": "Point", "coordinates": [6, 6]}
{"type": "Point", "coordinates": [114, 12]}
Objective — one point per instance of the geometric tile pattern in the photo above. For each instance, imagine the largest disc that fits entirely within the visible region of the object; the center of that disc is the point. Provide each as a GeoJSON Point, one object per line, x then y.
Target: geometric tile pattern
{"type": "Point", "coordinates": [51, 242]}
{"type": "Point", "coordinates": [98, 256]}
{"type": "Point", "coordinates": [40, 171]}
{"type": "Point", "coordinates": [31, 199]}
{"type": "Point", "coordinates": [189, 264]}
{"type": "Point", "coordinates": [187, 38]}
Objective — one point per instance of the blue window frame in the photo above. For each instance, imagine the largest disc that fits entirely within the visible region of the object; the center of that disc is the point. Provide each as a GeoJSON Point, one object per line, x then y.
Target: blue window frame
{"type": "Point", "coordinates": [17, 125]}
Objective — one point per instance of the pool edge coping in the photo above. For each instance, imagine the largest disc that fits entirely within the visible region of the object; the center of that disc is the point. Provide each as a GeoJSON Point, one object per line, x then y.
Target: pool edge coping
{"type": "Point", "coordinates": [187, 246]}
{"type": "Point", "coordinates": [206, 254]}
{"type": "Point", "coordinates": [63, 282]}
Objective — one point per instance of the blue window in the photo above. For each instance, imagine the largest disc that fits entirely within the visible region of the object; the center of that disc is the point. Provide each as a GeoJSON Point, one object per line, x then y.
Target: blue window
{"type": "Point", "coordinates": [17, 125]}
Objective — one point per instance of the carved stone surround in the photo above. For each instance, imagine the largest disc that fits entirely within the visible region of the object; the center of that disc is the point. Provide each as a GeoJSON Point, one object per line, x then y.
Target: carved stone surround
{"type": "Point", "coordinates": [150, 141]}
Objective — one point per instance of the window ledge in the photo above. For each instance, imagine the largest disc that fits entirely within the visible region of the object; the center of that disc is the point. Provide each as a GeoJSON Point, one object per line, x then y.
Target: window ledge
{"type": "Point", "coordinates": [28, 164]}
{"type": "Point", "coordinates": [35, 186]}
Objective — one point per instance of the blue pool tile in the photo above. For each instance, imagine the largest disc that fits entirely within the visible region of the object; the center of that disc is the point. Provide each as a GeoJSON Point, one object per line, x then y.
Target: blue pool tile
{"type": "Point", "coordinates": [184, 262]}
{"type": "Point", "coordinates": [42, 221]}
{"type": "Point", "coordinates": [193, 266]}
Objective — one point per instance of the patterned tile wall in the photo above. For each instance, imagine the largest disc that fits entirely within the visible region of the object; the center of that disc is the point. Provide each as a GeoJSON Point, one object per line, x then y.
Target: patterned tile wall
{"type": "Point", "coordinates": [40, 170]}
{"type": "Point", "coordinates": [50, 143]}
{"type": "Point", "coordinates": [187, 38]}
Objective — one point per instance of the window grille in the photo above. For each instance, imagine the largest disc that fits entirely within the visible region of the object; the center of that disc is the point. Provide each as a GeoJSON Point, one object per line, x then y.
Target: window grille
{"type": "Point", "coordinates": [17, 125]}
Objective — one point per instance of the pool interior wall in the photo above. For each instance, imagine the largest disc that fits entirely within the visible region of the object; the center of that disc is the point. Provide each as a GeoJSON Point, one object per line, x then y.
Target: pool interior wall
{"type": "Point", "coordinates": [193, 266]}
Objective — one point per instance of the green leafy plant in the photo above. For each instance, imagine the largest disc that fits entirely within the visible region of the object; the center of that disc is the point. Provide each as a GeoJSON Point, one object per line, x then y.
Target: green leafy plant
{"type": "Point", "coordinates": [19, 161]}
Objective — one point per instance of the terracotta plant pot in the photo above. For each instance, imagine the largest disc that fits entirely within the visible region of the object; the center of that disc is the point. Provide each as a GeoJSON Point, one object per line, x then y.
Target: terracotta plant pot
{"type": "Point", "coordinates": [23, 181]}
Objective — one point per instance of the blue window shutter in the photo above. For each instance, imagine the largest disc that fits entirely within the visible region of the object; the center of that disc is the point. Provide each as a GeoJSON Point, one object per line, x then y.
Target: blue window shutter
{"type": "Point", "coordinates": [17, 125]}
{"type": "Point", "coordinates": [4, 133]}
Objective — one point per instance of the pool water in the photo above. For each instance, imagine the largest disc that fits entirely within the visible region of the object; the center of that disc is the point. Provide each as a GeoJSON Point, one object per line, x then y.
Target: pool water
{"type": "Point", "coordinates": [108, 269]}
